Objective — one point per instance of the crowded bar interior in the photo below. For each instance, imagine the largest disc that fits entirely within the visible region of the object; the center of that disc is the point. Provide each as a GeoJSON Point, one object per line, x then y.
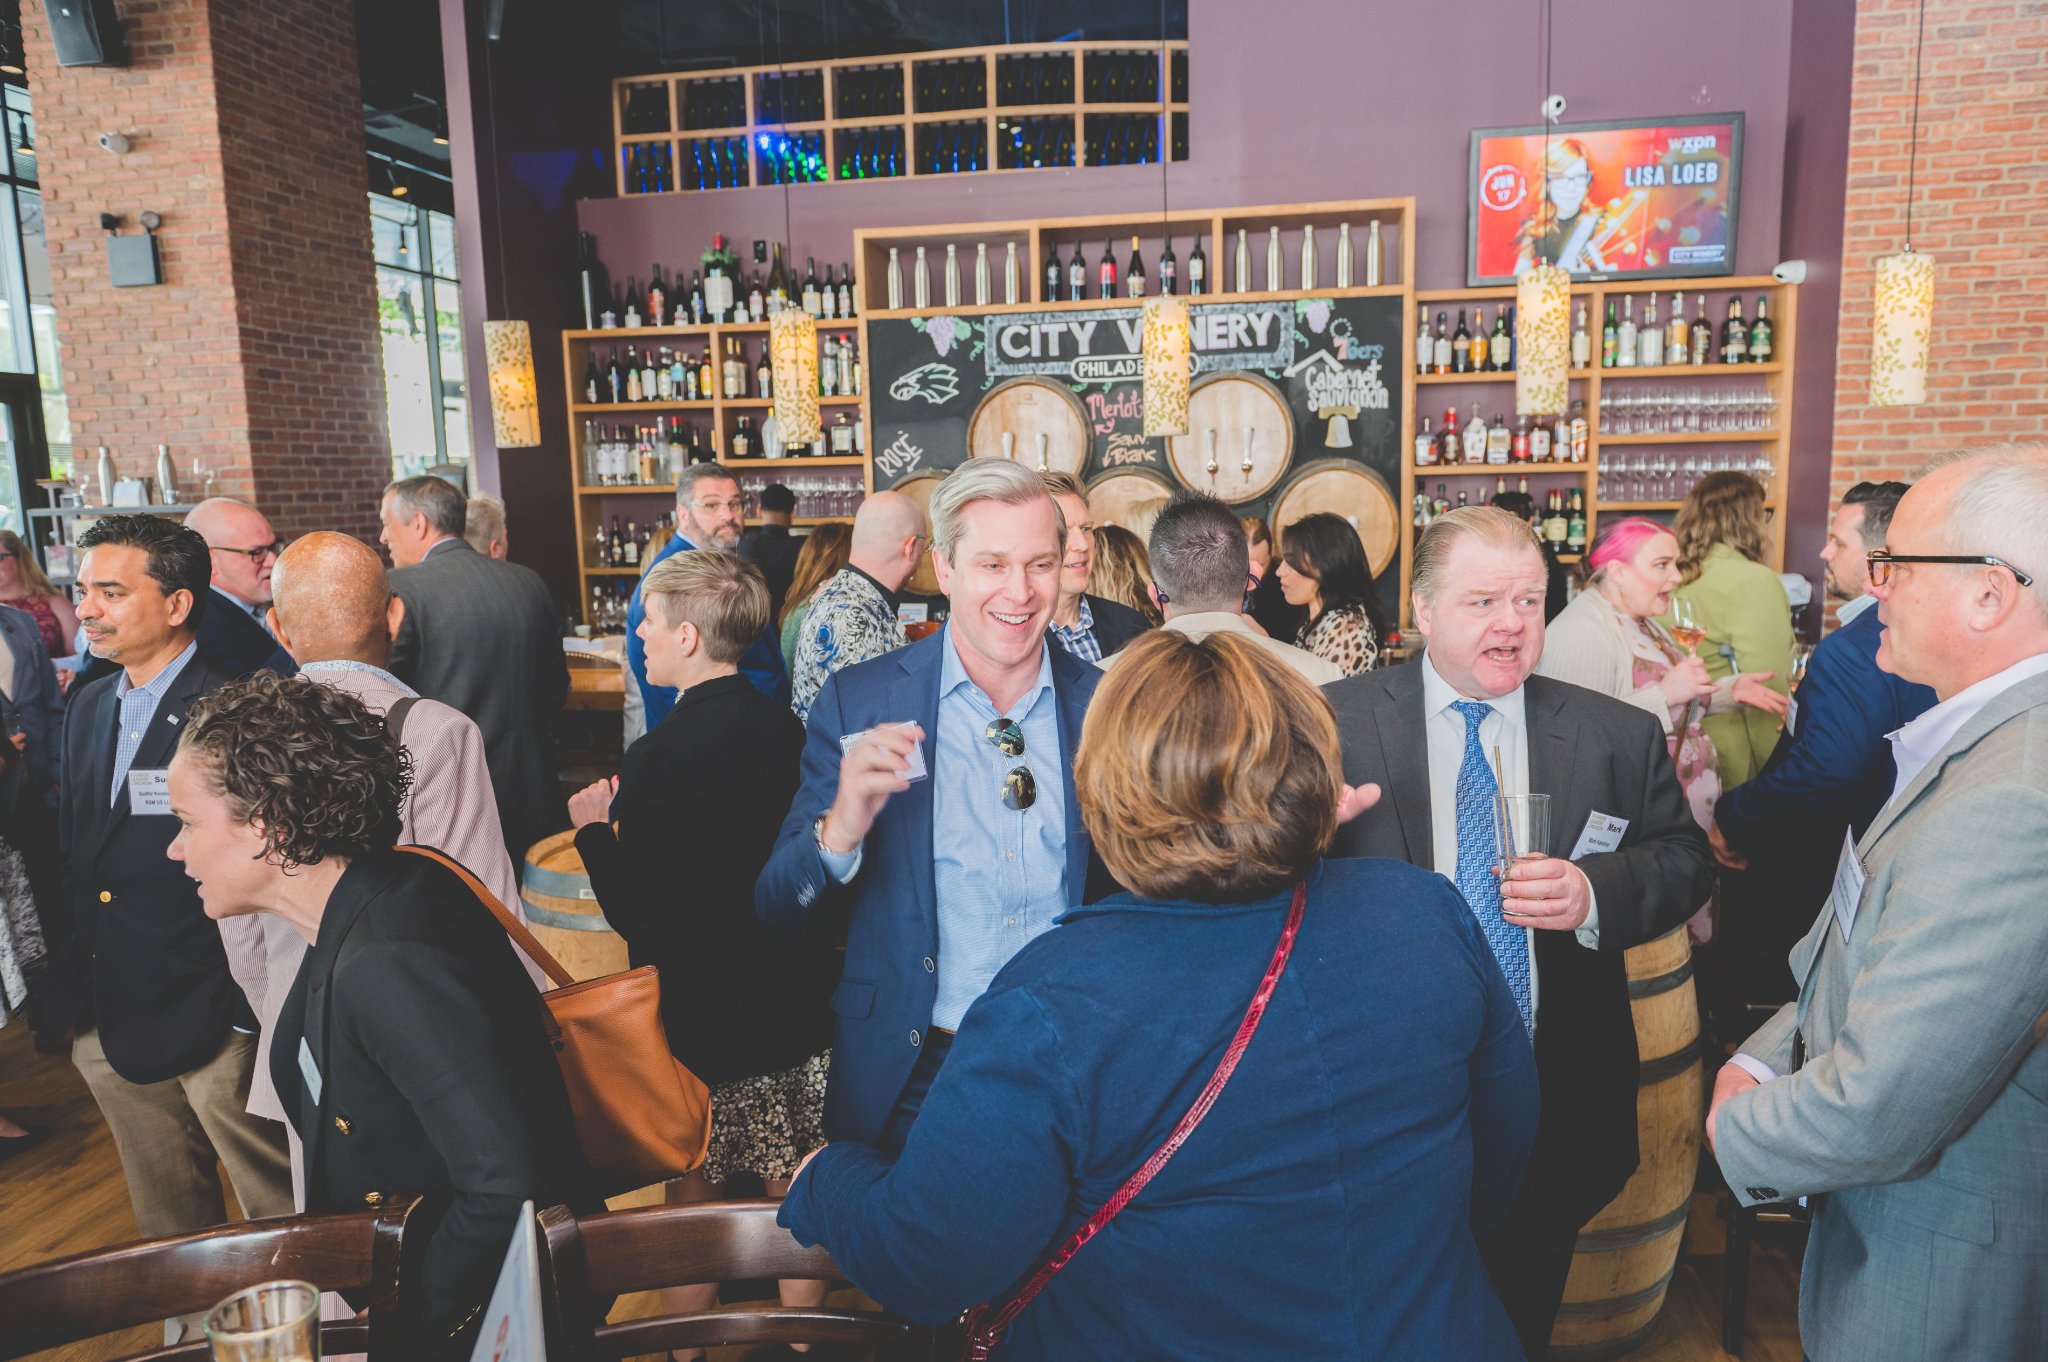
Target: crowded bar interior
{"type": "Point", "coordinates": [1473, 579]}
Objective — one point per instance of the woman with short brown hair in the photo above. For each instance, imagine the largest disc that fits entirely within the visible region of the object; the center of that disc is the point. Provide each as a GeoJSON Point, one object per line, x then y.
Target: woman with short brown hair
{"type": "Point", "coordinates": [1379, 1112]}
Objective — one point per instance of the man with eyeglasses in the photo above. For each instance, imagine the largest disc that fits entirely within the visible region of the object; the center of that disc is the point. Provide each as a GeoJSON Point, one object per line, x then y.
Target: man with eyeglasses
{"type": "Point", "coordinates": [937, 819]}
{"type": "Point", "coordinates": [1905, 1093]}
{"type": "Point", "coordinates": [711, 510]}
{"type": "Point", "coordinates": [233, 635]}
{"type": "Point", "coordinates": [1830, 772]}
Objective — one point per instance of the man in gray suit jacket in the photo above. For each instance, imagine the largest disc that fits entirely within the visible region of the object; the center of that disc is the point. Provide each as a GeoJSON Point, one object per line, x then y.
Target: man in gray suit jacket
{"type": "Point", "coordinates": [483, 636]}
{"type": "Point", "coordinates": [1906, 1091]}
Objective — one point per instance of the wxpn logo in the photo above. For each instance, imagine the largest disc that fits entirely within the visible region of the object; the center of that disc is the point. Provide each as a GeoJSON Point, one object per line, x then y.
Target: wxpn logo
{"type": "Point", "coordinates": [1502, 188]}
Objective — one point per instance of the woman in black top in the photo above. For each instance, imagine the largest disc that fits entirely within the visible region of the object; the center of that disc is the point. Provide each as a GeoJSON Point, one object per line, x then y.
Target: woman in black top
{"type": "Point", "coordinates": [410, 1054]}
{"type": "Point", "coordinates": [697, 805]}
{"type": "Point", "coordinates": [1323, 567]}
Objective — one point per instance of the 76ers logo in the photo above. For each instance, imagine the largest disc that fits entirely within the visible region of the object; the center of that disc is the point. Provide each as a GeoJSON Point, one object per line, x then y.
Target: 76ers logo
{"type": "Point", "coordinates": [1502, 188]}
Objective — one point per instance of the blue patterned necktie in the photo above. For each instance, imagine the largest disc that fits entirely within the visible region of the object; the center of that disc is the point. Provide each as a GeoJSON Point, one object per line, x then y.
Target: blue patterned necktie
{"type": "Point", "coordinates": [1477, 791]}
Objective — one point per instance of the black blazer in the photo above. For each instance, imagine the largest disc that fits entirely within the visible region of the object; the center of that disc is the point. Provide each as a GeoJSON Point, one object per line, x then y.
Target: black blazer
{"type": "Point", "coordinates": [484, 636]}
{"type": "Point", "coordinates": [697, 807]}
{"type": "Point", "coordinates": [144, 962]}
{"type": "Point", "coordinates": [1115, 624]}
{"type": "Point", "coordinates": [435, 1077]}
{"type": "Point", "coordinates": [773, 549]}
{"type": "Point", "coordinates": [1588, 752]}
{"type": "Point", "coordinates": [233, 642]}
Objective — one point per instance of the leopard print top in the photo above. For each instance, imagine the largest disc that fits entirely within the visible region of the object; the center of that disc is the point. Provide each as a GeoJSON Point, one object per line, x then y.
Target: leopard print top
{"type": "Point", "coordinates": [1344, 636]}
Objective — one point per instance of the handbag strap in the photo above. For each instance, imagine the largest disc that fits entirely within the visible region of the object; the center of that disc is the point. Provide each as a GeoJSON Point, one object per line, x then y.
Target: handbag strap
{"type": "Point", "coordinates": [394, 717]}
{"type": "Point", "coordinates": [514, 928]}
{"type": "Point", "coordinates": [985, 1335]}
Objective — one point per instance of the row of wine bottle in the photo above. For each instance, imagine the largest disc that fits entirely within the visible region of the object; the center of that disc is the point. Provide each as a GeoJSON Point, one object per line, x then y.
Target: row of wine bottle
{"type": "Point", "coordinates": [714, 294]}
{"type": "Point", "coordinates": [1478, 349]}
{"type": "Point", "coordinates": [1551, 439]}
{"type": "Point", "coordinates": [663, 374]}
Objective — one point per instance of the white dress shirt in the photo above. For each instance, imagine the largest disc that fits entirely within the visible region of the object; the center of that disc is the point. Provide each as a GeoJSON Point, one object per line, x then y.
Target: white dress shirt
{"type": "Point", "coordinates": [1506, 730]}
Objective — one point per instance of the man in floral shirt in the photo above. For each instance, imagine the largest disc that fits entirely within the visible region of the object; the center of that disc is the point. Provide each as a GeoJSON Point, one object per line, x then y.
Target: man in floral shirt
{"type": "Point", "coordinates": [853, 616]}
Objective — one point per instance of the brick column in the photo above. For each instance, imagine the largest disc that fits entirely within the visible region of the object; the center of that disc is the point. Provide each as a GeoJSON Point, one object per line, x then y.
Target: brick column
{"type": "Point", "coordinates": [1980, 208]}
{"type": "Point", "coordinates": [260, 351]}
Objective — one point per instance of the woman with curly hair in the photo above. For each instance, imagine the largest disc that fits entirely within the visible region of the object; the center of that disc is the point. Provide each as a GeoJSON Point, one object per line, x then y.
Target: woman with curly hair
{"type": "Point", "coordinates": [410, 1054]}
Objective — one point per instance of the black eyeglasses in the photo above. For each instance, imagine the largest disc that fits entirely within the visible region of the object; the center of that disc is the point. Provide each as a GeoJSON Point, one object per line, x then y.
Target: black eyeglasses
{"type": "Point", "coordinates": [1881, 561]}
{"type": "Point", "coordinates": [1020, 787]}
{"type": "Point", "coordinates": [257, 554]}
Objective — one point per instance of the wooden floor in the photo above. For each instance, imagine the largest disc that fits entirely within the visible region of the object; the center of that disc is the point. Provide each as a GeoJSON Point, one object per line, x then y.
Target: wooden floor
{"type": "Point", "coordinates": [68, 1195]}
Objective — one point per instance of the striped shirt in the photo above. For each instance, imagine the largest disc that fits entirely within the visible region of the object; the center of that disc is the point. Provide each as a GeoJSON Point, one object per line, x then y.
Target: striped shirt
{"type": "Point", "coordinates": [138, 711]}
{"type": "Point", "coordinates": [1079, 640]}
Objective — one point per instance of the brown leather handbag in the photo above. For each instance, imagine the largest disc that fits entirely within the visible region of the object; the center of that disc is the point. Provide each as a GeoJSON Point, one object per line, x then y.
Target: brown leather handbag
{"type": "Point", "coordinates": [641, 1116]}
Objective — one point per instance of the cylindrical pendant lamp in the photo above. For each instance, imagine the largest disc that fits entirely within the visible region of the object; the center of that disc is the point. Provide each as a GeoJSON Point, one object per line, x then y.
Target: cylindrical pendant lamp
{"type": "Point", "coordinates": [793, 352]}
{"type": "Point", "coordinates": [1902, 329]}
{"type": "Point", "coordinates": [515, 397]}
{"type": "Point", "coordinates": [1168, 346]}
{"type": "Point", "coordinates": [1543, 342]}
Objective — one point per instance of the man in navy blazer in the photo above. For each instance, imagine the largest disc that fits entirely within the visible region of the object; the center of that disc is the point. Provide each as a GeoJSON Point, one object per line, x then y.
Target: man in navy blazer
{"type": "Point", "coordinates": [1832, 771]}
{"type": "Point", "coordinates": [937, 819]}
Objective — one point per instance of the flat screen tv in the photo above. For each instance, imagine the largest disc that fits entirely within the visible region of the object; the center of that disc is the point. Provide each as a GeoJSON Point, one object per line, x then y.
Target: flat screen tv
{"type": "Point", "coordinates": [1638, 199]}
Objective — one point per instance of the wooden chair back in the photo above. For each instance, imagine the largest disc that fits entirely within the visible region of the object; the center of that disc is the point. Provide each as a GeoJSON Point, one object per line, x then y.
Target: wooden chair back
{"type": "Point", "coordinates": [86, 1295]}
{"type": "Point", "coordinates": [591, 1259]}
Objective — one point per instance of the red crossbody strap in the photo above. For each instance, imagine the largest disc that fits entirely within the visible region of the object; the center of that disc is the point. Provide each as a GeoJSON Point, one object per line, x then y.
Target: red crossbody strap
{"type": "Point", "coordinates": [987, 1330]}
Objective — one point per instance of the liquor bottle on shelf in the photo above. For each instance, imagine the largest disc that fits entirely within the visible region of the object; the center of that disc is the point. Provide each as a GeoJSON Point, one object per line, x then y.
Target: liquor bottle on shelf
{"type": "Point", "coordinates": [1464, 498]}
{"type": "Point", "coordinates": [1561, 439]}
{"type": "Point", "coordinates": [1582, 430]}
{"type": "Point", "coordinates": [847, 369]}
{"type": "Point", "coordinates": [601, 549]}
{"type": "Point", "coordinates": [1198, 270]}
{"type": "Point", "coordinates": [1425, 445]}
{"type": "Point", "coordinates": [1700, 340]}
{"type": "Point", "coordinates": [952, 276]}
{"type": "Point", "coordinates": [1499, 441]}
{"type": "Point", "coordinates": [649, 385]}
{"type": "Point", "coordinates": [1134, 276]}
{"type": "Point", "coordinates": [617, 545]}
{"type": "Point", "coordinates": [1734, 334]}
{"type": "Point", "coordinates": [706, 385]}
{"type": "Point", "coordinates": [1241, 273]}
{"type": "Point", "coordinates": [593, 285]}
{"type": "Point", "coordinates": [1013, 275]}
{"type": "Point", "coordinates": [614, 379]}
{"type": "Point", "coordinates": [1461, 347]}
{"type": "Point", "coordinates": [828, 296]}
{"type": "Point", "coordinates": [764, 377]}
{"type": "Point", "coordinates": [1650, 340]}
{"type": "Point", "coordinates": [1626, 346]}
{"type": "Point", "coordinates": [1424, 513]}
{"type": "Point", "coordinates": [1674, 332]}
{"type": "Point", "coordinates": [735, 370]}
{"type": "Point", "coordinates": [1610, 339]}
{"type": "Point", "coordinates": [1539, 441]}
{"type": "Point", "coordinates": [1760, 334]}
{"type": "Point", "coordinates": [1169, 270]}
{"type": "Point", "coordinates": [1308, 257]}
{"type": "Point", "coordinates": [1476, 436]}
{"type": "Point", "coordinates": [632, 312]}
{"type": "Point", "coordinates": [1450, 448]}
{"type": "Point", "coordinates": [1556, 527]}
{"type": "Point", "coordinates": [1276, 278]}
{"type": "Point", "coordinates": [757, 300]}
{"type": "Point", "coordinates": [846, 293]}
{"type": "Point", "coordinates": [1054, 272]}
{"type": "Point", "coordinates": [842, 434]}
{"type": "Point", "coordinates": [1425, 348]}
{"type": "Point", "coordinates": [1519, 447]}
{"type": "Point", "coordinates": [1575, 524]}
{"type": "Point", "coordinates": [1501, 345]}
{"type": "Point", "coordinates": [1343, 279]}
{"type": "Point", "coordinates": [895, 279]}
{"type": "Point", "coordinates": [743, 439]}
{"type": "Point", "coordinates": [920, 282]}
{"type": "Point", "coordinates": [696, 298]}
{"type": "Point", "coordinates": [1582, 340]}
{"type": "Point", "coordinates": [1442, 503]}
{"type": "Point", "coordinates": [814, 297]}
{"type": "Point", "coordinates": [1105, 276]}
{"type": "Point", "coordinates": [678, 452]}
{"type": "Point", "coordinates": [664, 379]}
{"type": "Point", "coordinates": [1077, 276]}
{"type": "Point", "coordinates": [593, 382]}
{"type": "Point", "coordinates": [1441, 352]}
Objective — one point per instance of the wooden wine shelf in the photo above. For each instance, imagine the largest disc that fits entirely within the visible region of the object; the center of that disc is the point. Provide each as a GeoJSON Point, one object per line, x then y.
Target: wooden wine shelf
{"type": "Point", "coordinates": [1423, 472]}
{"type": "Point", "coordinates": [851, 79]}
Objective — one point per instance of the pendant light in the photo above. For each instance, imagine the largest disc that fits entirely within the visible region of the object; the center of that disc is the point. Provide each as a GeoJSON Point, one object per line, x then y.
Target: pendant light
{"type": "Point", "coordinates": [1902, 316]}
{"type": "Point", "coordinates": [1543, 300]}
{"type": "Point", "coordinates": [1167, 342]}
{"type": "Point", "coordinates": [792, 332]}
{"type": "Point", "coordinates": [515, 396]}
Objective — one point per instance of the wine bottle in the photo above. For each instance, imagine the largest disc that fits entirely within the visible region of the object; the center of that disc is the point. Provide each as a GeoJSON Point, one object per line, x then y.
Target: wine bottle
{"type": "Point", "coordinates": [1575, 525]}
{"type": "Point", "coordinates": [1134, 276]}
{"type": "Point", "coordinates": [1625, 344]}
{"type": "Point", "coordinates": [593, 286]}
{"type": "Point", "coordinates": [846, 291]}
{"type": "Point", "coordinates": [1441, 352]}
{"type": "Point", "coordinates": [757, 301]}
{"type": "Point", "coordinates": [648, 382]}
{"type": "Point", "coordinates": [1461, 347]}
{"type": "Point", "coordinates": [1701, 338]}
{"type": "Point", "coordinates": [1198, 270]}
{"type": "Point", "coordinates": [1054, 271]}
{"type": "Point", "coordinates": [614, 380]}
{"type": "Point", "coordinates": [1168, 269]}
{"type": "Point", "coordinates": [657, 298]}
{"type": "Point", "coordinates": [1424, 348]}
{"type": "Point", "coordinates": [1650, 340]}
{"type": "Point", "coordinates": [1500, 346]}
{"type": "Point", "coordinates": [764, 377]}
{"type": "Point", "coordinates": [1674, 332]}
{"type": "Point", "coordinates": [1582, 340]}
{"type": "Point", "coordinates": [592, 380]}
{"type": "Point", "coordinates": [1077, 276]}
{"type": "Point", "coordinates": [1610, 339]}
{"type": "Point", "coordinates": [1734, 334]}
{"type": "Point", "coordinates": [1760, 336]}
{"type": "Point", "coordinates": [814, 300]}
{"type": "Point", "coordinates": [828, 296]}
{"type": "Point", "coordinates": [1344, 255]}
{"type": "Point", "coordinates": [1105, 277]}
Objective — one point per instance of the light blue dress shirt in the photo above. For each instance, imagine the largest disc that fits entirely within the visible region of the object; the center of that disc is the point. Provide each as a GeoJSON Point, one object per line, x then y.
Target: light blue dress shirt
{"type": "Point", "coordinates": [1000, 876]}
{"type": "Point", "coordinates": [138, 711]}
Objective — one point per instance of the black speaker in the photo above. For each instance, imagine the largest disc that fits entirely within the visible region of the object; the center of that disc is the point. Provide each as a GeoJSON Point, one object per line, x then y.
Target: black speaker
{"type": "Point", "coordinates": [86, 32]}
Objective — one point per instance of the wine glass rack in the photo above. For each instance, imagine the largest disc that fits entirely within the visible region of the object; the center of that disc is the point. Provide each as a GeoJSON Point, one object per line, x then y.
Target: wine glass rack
{"type": "Point", "coordinates": [972, 110]}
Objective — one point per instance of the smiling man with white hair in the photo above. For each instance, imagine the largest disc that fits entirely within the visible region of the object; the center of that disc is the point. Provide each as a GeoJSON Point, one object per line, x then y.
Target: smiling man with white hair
{"type": "Point", "coordinates": [1908, 1085]}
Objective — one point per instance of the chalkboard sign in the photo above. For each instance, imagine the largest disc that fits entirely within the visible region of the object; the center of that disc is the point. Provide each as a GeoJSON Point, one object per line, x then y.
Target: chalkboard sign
{"type": "Point", "coordinates": [1336, 363]}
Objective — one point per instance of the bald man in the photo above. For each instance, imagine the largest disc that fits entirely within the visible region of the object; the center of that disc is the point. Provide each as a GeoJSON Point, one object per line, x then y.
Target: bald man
{"type": "Point", "coordinates": [853, 616]}
{"type": "Point", "coordinates": [233, 633]}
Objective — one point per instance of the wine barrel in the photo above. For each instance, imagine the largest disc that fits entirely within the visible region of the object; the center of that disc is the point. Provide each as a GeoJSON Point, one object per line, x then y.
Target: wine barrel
{"type": "Point", "coordinates": [1627, 1253]}
{"type": "Point", "coordinates": [919, 488]}
{"type": "Point", "coordinates": [1112, 495]}
{"type": "Point", "coordinates": [1348, 488]}
{"type": "Point", "coordinates": [1026, 409]}
{"type": "Point", "coordinates": [562, 910]}
{"type": "Point", "coordinates": [1223, 410]}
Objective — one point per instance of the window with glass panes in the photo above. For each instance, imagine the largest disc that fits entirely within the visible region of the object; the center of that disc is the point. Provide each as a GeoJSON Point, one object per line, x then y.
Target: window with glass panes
{"type": "Point", "coordinates": [419, 312]}
{"type": "Point", "coordinates": [28, 323]}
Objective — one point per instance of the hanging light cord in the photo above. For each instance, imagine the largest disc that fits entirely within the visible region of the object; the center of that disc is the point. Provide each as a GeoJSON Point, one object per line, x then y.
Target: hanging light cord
{"type": "Point", "coordinates": [1913, 138]}
{"type": "Point", "coordinates": [1547, 20]}
{"type": "Point", "coordinates": [1165, 100]}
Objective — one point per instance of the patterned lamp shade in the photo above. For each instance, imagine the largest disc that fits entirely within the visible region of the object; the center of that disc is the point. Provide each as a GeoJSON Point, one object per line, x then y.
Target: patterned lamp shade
{"type": "Point", "coordinates": [515, 397]}
{"type": "Point", "coordinates": [1169, 349]}
{"type": "Point", "coordinates": [793, 351]}
{"type": "Point", "coordinates": [1902, 330]}
{"type": "Point", "coordinates": [1543, 341]}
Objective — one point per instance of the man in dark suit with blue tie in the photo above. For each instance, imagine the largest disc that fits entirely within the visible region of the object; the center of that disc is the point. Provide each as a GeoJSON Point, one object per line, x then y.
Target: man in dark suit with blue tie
{"type": "Point", "coordinates": [1830, 773]}
{"type": "Point", "coordinates": [243, 549]}
{"type": "Point", "coordinates": [937, 819]}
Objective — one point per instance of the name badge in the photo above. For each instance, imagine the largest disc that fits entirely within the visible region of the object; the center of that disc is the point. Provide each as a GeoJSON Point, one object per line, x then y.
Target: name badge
{"type": "Point", "coordinates": [1848, 891]}
{"type": "Point", "coordinates": [309, 1071]}
{"type": "Point", "coordinates": [913, 612]}
{"type": "Point", "coordinates": [913, 771]}
{"type": "Point", "coordinates": [1603, 833]}
{"type": "Point", "coordinates": [149, 791]}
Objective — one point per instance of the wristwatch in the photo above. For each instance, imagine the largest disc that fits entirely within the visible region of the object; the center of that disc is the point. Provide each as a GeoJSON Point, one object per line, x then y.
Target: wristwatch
{"type": "Point", "coordinates": [818, 835]}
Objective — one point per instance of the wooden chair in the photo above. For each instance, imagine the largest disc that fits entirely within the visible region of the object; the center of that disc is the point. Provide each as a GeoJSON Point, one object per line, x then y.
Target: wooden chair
{"type": "Point", "coordinates": [594, 1258]}
{"type": "Point", "coordinates": [86, 1295]}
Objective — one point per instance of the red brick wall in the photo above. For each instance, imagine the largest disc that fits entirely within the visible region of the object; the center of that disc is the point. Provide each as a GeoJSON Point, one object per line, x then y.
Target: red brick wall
{"type": "Point", "coordinates": [260, 352]}
{"type": "Point", "coordinates": [1980, 208]}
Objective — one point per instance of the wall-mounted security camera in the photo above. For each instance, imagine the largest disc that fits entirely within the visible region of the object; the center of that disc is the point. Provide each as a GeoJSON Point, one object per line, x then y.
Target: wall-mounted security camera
{"type": "Point", "coordinates": [1789, 272]}
{"type": "Point", "coordinates": [116, 142]}
{"type": "Point", "coordinates": [1553, 108]}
